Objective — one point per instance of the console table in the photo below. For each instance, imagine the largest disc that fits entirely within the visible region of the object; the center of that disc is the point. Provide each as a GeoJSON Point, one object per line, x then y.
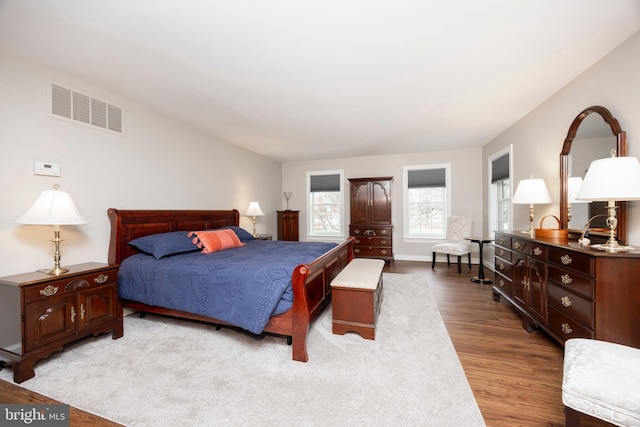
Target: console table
{"type": "Point", "coordinates": [569, 291]}
{"type": "Point", "coordinates": [480, 277]}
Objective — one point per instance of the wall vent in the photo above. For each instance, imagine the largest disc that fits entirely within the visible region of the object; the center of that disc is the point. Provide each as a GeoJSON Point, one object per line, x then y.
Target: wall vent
{"type": "Point", "coordinates": [79, 108]}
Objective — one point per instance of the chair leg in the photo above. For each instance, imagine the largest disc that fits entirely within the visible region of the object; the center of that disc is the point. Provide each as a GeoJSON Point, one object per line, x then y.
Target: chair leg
{"type": "Point", "coordinates": [469, 256]}
{"type": "Point", "coordinates": [433, 260]}
{"type": "Point", "coordinates": [448, 260]}
{"type": "Point", "coordinates": [459, 263]}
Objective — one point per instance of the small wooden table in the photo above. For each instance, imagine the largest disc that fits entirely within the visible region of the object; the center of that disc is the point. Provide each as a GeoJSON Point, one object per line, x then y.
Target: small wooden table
{"type": "Point", "coordinates": [480, 278]}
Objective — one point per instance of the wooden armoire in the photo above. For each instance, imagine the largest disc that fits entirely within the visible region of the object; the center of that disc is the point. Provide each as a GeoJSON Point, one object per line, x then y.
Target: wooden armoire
{"type": "Point", "coordinates": [371, 224]}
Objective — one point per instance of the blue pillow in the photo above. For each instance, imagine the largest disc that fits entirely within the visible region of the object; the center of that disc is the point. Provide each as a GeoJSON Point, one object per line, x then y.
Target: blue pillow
{"type": "Point", "coordinates": [242, 234]}
{"type": "Point", "coordinates": [165, 244]}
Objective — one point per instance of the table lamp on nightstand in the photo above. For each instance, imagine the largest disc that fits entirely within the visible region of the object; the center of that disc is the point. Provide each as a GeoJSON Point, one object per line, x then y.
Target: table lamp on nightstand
{"type": "Point", "coordinates": [53, 207]}
{"type": "Point", "coordinates": [254, 210]}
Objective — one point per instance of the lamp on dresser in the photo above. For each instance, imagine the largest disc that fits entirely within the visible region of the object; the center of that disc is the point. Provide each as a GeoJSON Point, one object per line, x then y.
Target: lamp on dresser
{"type": "Point", "coordinates": [531, 192]}
{"type": "Point", "coordinates": [53, 207]}
{"type": "Point", "coordinates": [253, 211]}
{"type": "Point", "coordinates": [611, 179]}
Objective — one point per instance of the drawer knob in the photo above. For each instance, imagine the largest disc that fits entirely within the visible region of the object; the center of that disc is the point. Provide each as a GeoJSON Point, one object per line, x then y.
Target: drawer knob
{"type": "Point", "coordinates": [501, 252]}
{"type": "Point", "coordinates": [384, 252]}
{"type": "Point", "coordinates": [565, 301]}
{"type": "Point", "coordinates": [566, 328]}
{"type": "Point", "coordinates": [516, 245]}
{"type": "Point", "coordinates": [101, 278]}
{"type": "Point", "coordinates": [501, 283]}
{"type": "Point", "coordinates": [384, 242]}
{"type": "Point", "coordinates": [356, 250]}
{"type": "Point", "coordinates": [566, 259]}
{"type": "Point", "coordinates": [369, 233]}
{"type": "Point", "coordinates": [383, 231]}
{"type": "Point", "coordinates": [566, 279]}
{"type": "Point", "coordinates": [537, 251]}
{"type": "Point", "coordinates": [501, 266]}
{"type": "Point", "coordinates": [49, 290]}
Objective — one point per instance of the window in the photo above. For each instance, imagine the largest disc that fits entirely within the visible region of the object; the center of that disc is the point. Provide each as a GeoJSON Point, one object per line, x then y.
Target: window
{"type": "Point", "coordinates": [500, 192]}
{"type": "Point", "coordinates": [426, 201]}
{"type": "Point", "coordinates": [325, 203]}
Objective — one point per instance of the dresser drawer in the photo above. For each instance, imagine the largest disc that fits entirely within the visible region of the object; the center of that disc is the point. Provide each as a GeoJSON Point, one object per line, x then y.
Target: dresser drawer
{"type": "Point", "coordinates": [372, 251]}
{"type": "Point", "coordinates": [69, 284]}
{"type": "Point", "coordinates": [572, 305]}
{"type": "Point", "coordinates": [372, 241]}
{"type": "Point", "coordinates": [573, 260]}
{"type": "Point", "coordinates": [574, 281]}
{"type": "Point", "coordinates": [565, 327]}
{"type": "Point", "coordinates": [503, 253]}
{"type": "Point", "coordinates": [504, 283]}
{"type": "Point", "coordinates": [502, 240]}
{"type": "Point", "coordinates": [533, 249]}
{"type": "Point", "coordinates": [503, 267]}
{"type": "Point", "coordinates": [371, 231]}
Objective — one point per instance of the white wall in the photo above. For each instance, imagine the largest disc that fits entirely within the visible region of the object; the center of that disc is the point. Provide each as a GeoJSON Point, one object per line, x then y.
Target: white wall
{"type": "Point", "coordinates": [466, 189]}
{"type": "Point", "coordinates": [159, 164]}
{"type": "Point", "coordinates": [613, 82]}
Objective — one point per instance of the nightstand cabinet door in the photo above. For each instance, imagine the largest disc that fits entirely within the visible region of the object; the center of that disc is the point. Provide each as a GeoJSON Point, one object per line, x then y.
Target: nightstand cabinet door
{"type": "Point", "coordinates": [97, 305]}
{"type": "Point", "coordinates": [49, 320]}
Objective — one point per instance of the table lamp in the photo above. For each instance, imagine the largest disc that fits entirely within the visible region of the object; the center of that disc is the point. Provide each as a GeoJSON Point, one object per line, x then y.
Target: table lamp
{"type": "Point", "coordinates": [531, 192]}
{"type": "Point", "coordinates": [53, 207]}
{"type": "Point", "coordinates": [611, 179]}
{"type": "Point", "coordinates": [254, 210]}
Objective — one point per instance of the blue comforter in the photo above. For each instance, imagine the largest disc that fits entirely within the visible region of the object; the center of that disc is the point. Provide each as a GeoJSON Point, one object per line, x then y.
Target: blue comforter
{"type": "Point", "coordinates": [243, 286]}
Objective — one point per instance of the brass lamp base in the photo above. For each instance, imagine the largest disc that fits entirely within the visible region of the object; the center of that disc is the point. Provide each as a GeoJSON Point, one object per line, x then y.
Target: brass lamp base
{"type": "Point", "coordinates": [57, 271]}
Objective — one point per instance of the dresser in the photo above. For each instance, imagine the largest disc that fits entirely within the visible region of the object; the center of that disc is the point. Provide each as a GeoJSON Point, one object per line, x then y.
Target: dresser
{"type": "Point", "coordinates": [288, 227]}
{"type": "Point", "coordinates": [371, 225]}
{"type": "Point", "coordinates": [40, 313]}
{"type": "Point", "coordinates": [569, 291]}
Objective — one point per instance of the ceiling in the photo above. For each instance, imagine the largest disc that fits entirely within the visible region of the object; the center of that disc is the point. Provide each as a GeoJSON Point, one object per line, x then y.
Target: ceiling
{"type": "Point", "coordinates": [299, 80]}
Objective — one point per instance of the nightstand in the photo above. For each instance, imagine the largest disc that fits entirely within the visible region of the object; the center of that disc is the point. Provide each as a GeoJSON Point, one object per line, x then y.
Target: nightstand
{"type": "Point", "coordinates": [263, 237]}
{"type": "Point", "coordinates": [39, 313]}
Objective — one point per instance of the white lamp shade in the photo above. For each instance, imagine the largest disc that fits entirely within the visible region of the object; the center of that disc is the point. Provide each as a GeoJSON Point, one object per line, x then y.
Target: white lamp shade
{"type": "Point", "coordinates": [613, 178]}
{"type": "Point", "coordinates": [573, 185]}
{"type": "Point", "coordinates": [531, 192]}
{"type": "Point", "coordinates": [53, 207]}
{"type": "Point", "coordinates": [254, 210]}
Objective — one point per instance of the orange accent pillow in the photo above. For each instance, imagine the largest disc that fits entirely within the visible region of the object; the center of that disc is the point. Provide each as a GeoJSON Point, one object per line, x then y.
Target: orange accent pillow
{"type": "Point", "coordinates": [215, 240]}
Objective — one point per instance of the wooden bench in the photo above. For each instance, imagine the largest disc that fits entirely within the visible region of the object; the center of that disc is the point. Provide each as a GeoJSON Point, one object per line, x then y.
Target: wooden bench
{"type": "Point", "coordinates": [357, 296]}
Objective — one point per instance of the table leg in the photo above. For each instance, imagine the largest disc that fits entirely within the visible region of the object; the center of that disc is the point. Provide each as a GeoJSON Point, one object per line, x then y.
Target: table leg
{"type": "Point", "coordinates": [481, 279]}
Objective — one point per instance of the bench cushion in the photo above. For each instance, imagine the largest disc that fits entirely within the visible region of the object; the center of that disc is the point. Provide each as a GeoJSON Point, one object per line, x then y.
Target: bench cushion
{"type": "Point", "coordinates": [362, 273]}
{"type": "Point", "coordinates": [602, 379]}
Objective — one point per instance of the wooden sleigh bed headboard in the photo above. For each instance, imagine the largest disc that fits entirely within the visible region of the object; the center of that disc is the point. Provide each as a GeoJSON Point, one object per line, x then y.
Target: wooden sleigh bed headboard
{"type": "Point", "coordinates": [310, 282]}
{"type": "Point", "coordinates": [127, 225]}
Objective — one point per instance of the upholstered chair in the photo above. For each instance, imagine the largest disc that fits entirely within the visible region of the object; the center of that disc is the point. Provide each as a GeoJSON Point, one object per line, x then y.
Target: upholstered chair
{"type": "Point", "coordinates": [458, 227]}
{"type": "Point", "coordinates": [601, 379]}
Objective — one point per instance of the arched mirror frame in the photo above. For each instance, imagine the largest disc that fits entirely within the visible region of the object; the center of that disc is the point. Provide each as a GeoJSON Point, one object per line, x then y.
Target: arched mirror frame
{"type": "Point", "coordinates": [621, 150]}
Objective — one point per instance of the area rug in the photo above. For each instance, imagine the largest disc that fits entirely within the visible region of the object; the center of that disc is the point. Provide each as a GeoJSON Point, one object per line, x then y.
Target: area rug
{"type": "Point", "coordinates": [169, 372]}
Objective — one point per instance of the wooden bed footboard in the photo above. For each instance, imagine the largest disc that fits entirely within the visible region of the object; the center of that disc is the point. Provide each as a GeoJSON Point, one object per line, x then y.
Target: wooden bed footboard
{"type": "Point", "coordinates": [311, 282]}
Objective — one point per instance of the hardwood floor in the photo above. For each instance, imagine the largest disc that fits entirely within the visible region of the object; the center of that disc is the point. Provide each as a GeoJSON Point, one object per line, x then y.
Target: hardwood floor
{"type": "Point", "coordinates": [515, 376]}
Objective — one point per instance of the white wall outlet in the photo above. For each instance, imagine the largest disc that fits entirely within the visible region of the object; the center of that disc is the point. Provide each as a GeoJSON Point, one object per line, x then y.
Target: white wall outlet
{"type": "Point", "coordinates": [49, 169]}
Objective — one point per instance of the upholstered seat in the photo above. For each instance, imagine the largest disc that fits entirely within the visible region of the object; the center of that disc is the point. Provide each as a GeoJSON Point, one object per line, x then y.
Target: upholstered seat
{"type": "Point", "coordinates": [601, 379]}
{"type": "Point", "coordinates": [458, 227]}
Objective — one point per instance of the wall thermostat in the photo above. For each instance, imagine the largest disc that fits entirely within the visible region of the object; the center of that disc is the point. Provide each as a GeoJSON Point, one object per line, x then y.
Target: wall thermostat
{"type": "Point", "coordinates": [49, 169]}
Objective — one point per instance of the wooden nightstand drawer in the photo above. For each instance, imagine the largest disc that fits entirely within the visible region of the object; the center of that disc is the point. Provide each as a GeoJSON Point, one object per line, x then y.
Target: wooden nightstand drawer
{"type": "Point", "coordinates": [37, 291]}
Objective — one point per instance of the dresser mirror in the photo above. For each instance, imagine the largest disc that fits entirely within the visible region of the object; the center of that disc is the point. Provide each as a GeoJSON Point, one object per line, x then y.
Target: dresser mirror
{"type": "Point", "coordinates": [593, 134]}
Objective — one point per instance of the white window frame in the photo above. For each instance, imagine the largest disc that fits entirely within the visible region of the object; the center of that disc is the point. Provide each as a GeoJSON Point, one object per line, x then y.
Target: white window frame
{"type": "Point", "coordinates": [342, 232]}
{"type": "Point", "coordinates": [492, 191]}
{"type": "Point", "coordinates": [407, 236]}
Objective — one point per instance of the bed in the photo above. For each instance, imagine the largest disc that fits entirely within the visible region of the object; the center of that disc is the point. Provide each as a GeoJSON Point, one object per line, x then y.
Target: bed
{"type": "Point", "coordinates": [310, 281]}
